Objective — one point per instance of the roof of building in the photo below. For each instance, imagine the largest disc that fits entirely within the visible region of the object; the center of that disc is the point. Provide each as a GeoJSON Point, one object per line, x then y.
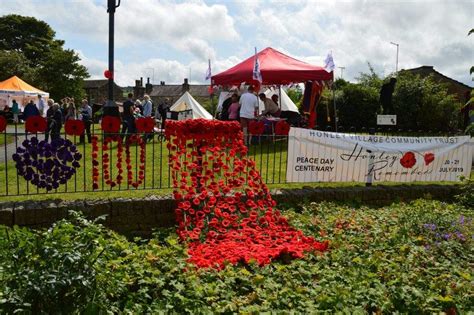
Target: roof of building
{"type": "Point", "coordinates": [426, 69]}
{"type": "Point", "coordinates": [92, 84]}
{"type": "Point", "coordinates": [174, 90]}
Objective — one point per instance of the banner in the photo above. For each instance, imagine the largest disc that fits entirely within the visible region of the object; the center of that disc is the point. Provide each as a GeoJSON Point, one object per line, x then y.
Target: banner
{"type": "Point", "coordinates": [318, 156]}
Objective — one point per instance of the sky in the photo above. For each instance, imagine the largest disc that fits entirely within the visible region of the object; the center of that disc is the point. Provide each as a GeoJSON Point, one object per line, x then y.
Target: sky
{"type": "Point", "coordinates": [172, 40]}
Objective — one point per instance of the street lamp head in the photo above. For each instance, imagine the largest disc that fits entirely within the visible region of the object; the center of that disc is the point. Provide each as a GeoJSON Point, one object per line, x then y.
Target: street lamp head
{"type": "Point", "coordinates": [394, 43]}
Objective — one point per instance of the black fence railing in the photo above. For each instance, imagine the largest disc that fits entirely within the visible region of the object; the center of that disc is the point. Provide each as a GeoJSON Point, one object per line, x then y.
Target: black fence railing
{"type": "Point", "coordinates": [113, 162]}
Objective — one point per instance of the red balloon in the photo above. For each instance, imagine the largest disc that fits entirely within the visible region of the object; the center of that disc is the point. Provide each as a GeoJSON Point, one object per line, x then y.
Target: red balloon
{"type": "Point", "coordinates": [108, 74]}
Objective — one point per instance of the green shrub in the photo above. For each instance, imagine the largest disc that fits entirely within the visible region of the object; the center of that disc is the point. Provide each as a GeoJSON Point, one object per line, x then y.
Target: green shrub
{"type": "Point", "coordinates": [409, 258]}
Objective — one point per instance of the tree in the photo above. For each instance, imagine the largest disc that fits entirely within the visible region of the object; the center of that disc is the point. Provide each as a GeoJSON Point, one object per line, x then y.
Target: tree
{"type": "Point", "coordinates": [62, 75]}
{"type": "Point", "coordinates": [29, 36]}
{"type": "Point", "coordinates": [423, 104]}
{"type": "Point", "coordinates": [13, 62]}
{"type": "Point", "coordinates": [28, 48]}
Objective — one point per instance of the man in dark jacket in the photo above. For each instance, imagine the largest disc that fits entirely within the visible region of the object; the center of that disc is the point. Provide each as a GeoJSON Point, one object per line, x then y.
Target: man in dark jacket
{"type": "Point", "coordinates": [128, 120]}
{"type": "Point", "coordinates": [30, 110]}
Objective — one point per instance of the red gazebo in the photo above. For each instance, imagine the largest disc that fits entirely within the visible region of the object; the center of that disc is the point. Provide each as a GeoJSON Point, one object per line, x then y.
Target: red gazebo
{"type": "Point", "coordinates": [275, 67]}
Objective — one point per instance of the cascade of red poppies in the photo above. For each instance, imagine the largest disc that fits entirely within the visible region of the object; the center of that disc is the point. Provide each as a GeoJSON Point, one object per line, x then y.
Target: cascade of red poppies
{"type": "Point", "coordinates": [225, 211]}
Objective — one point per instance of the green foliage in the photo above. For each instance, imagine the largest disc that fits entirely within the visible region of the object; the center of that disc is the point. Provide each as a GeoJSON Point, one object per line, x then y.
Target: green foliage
{"type": "Point", "coordinates": [51, 271]}
{"type": "Point", "coordinates": [358, 106]}
{"type": "Point", "coordinates": [296, 95]}
{"type": "Point", "coordinates": [32, 37]}
{"type": "Point", "coordinates": [421, 103]}
{"type": "Point", "coordinates": [385, 260]}
{"type": "Point", "coordinates": [28, 49]}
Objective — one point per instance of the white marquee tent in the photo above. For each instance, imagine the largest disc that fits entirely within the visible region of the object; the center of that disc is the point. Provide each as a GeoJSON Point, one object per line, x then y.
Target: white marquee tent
{"type": "Point", "coordinates": [187, 103]}
{"type": "Point", "coordinates": [286, 102]}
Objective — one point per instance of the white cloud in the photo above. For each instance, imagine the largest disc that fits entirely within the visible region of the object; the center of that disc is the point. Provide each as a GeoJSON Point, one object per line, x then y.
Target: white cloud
{"type": "Point", "coordinates": [189, 32]}
{"type": "Point", "coordinates": [189, 27]}
{"type": "Point", "coordinates": [429, 32]}
{"type": "Point", "coordinates": [157, 69]}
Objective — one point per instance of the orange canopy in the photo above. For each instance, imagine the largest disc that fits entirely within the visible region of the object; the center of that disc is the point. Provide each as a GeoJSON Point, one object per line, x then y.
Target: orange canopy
{"type": "Point", "coordinates": [16, 86]}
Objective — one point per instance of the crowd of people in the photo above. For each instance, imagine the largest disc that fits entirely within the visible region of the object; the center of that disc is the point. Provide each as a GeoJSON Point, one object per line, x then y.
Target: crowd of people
{"type": "Point", "coordinates": [245, 108]}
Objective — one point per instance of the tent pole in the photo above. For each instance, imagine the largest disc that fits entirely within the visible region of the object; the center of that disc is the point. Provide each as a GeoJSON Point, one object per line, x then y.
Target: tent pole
{"type": "Point", "coordinates": [334, 101]}
{"type": "Point", "coordinates": [279, 89]}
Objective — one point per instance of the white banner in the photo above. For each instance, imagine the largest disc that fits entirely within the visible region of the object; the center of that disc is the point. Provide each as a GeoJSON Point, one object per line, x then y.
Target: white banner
{"type": "Point", "coordinates": [318, 156]}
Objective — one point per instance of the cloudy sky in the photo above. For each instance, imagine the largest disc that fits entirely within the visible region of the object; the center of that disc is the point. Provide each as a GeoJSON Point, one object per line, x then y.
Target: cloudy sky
{"type": "Point", "coordinates": [171, 40]}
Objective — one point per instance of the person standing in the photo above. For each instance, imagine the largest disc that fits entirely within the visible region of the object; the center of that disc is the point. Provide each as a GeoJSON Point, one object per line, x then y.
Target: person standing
{"type": "Point", "coordinates": [234, 108]}
{"type": "Point", "coordinates": [70, 112]}
{"type": "Point", "coordinates": [54, 119]}
{"type": "Point", "coordinates": [147, 108]}
{"type": "Point", "coordinates": [30, 110]}
{"type": "Point", "coordinates": [127, 116]}
{"type": "Point", "coordinates": [248, 109]}
{"type": "Point", "coordinates": [41, 105]}
{"type": "Point", "coordinates": [163, 109]}
{"type": "Point", "coordinates": [86, 117]}
{"type": "Point", "coordinates": [15, 111]}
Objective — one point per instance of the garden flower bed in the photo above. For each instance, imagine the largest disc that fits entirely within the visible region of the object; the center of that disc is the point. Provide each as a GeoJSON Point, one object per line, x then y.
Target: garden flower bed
{"type": "Point", "coordinates": [411, 258]}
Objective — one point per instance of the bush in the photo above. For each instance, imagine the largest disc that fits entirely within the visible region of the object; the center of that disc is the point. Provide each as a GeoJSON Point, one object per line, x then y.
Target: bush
{"type": "Point", "coordinates": [409, 258]}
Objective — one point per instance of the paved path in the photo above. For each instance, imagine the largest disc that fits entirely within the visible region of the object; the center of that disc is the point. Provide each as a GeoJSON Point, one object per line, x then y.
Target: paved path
{"type": "Point", "coordinates": [11, 147]}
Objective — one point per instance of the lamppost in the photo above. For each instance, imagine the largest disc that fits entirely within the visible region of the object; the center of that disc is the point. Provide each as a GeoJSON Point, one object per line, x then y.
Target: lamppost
{"type": "Point", "coordinates": [111, 6]}
{"type": "Point", "coordinates": [396, 66]}
{"type": "Point", "coordinates": [342, 71]}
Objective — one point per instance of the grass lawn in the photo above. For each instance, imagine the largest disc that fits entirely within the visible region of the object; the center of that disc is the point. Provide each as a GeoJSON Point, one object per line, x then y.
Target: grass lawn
{"type": "Point", "coordinates": [406, 258]}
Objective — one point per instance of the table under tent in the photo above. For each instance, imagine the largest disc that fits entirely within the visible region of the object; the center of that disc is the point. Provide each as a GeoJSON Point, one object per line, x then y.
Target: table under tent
{"type": "Point", "coordinates": [186, 107]}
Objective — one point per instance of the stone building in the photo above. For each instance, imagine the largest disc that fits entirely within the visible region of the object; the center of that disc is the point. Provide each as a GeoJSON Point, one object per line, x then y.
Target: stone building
{"type": "Point", "coordinates": [158, 93]}
{"type": "Point", "coordinates": [97, 91]}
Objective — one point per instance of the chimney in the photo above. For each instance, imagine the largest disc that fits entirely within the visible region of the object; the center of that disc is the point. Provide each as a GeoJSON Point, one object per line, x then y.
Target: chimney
{"type": "Point", "coordinates": [141, 81]}
{"type": "Point", "coordinates": [148, 86]}
{"type": "Point", "coordinates": [185, 86]}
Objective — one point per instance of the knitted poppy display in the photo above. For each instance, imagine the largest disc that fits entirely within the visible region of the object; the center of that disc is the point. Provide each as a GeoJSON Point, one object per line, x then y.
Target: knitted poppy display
{"type": "Point", "coordinates": [144, 124]}
{"type": "Point", "coordinates": [256, 127]}
{"type": "Point", "coordinates": [47, 164]}
{"type": "Point", "coordinates": [3, 124]}
{"type": "Point", "coordinates": [74, 127]}
{"type": "Point", "coordinates": [282, 128]}
{"type": "Point", "coordinates": [35, 124]}
{"type": "Point", "coordinates": [110, 124]}
{"type": "Point", "coordinates": [224, 210]}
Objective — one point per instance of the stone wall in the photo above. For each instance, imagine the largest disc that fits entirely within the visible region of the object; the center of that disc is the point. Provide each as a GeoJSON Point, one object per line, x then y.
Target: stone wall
{"type": "Point", "coordinates": [141, 216]}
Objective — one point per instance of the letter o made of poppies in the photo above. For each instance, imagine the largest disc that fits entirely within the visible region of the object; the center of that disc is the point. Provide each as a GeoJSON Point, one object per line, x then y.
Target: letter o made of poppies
{"type": "Point", "coordinates": [74, 127]}
{"type": "Point", "coordinates": [111, 124]}
{"type": "Point", "coordinates": [36, 124]}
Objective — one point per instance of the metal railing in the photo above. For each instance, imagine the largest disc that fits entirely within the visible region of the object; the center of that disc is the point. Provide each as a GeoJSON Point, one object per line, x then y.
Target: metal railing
{"type": "Point", "coordinates": [144, 166]}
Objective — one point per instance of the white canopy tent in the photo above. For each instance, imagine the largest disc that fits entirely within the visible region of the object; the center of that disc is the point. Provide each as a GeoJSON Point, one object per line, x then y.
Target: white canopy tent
{"type": "Point", "coordinates": [222, 97]}
{"type": "Point", "coordinates": [286, 103]}
{"type": "Point", "coordinates": [187, 103]}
